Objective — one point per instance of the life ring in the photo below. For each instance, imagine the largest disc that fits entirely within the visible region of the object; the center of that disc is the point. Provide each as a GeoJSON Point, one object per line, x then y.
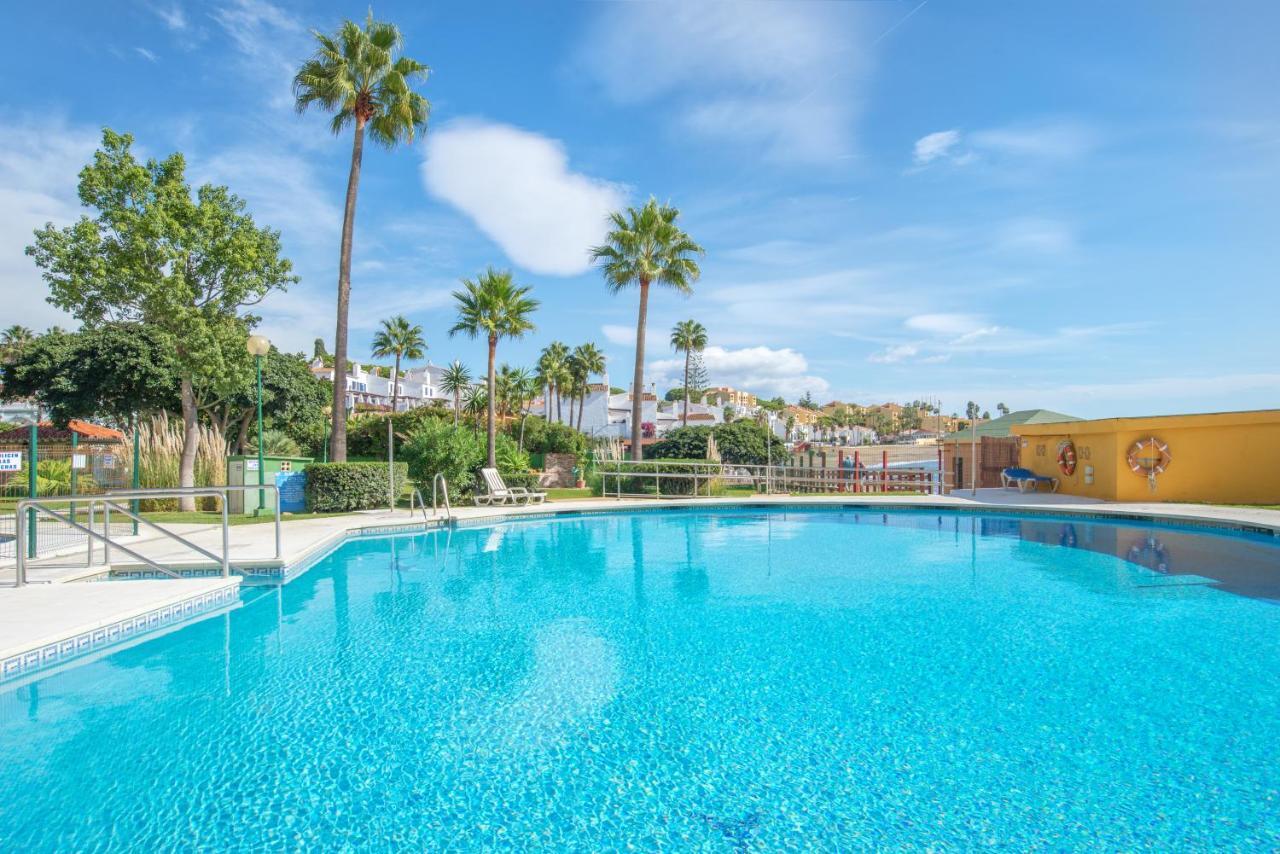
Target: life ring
{"type": "Point", "coordinates": [1149, 457]}
{"type": "Point", "coordinates": [1067, 457]}
{"type": "Point", "coordinates": [1150, 553]}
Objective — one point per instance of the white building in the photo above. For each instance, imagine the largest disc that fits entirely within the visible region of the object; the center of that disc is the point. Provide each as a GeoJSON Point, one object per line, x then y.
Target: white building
{"type": "Point", "coordinates": [367, 388]}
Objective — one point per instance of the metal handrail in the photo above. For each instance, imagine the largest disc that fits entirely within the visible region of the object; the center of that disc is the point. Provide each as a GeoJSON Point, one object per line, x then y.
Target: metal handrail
{"type": "Point", "coordinates": [866, 478]}
{"type": "Point", "coordinates": [111, 500]}
{"type": "Point", "coordinates": [439, 480]}
{"type": "Point", "coordinates": [416, 500]}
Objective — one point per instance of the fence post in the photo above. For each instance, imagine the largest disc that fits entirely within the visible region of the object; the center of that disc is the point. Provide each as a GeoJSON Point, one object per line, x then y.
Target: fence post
{"type": "Point", "coordinates": [840, 473]}
{"type": "Point", "coordinates": [75, 444]}
{"type": "Point", "coordinates": [884, 470]}
{"type": "Point", "coordinates": [137, 473]}
{"type": "Point", "coordinates": [857, 471]}
{"type": "Point", "coordinates": [33, 445]}
{"type": "Point", "coordinates": [939, 469]}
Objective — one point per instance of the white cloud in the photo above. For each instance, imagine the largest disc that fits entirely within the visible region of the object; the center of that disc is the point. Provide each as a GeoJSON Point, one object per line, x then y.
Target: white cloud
{"type": "Point", "coordinates": [931, 147]}
{"type": "Point", "coordinates": [762, 370]}
{"type": "Point", "coordinates": [1020, 143]}
{"type": "Point", "coordinates": [282, 191]}
{"type": "Point", "coordinates": [173, 16]}
{"type": "Point", "coordinates": [1035, 235]}
{"type": "Point", "coordinates": [146, 54]}
{"type": "Point", "coordinates": [786, 78]}
{"type": "Point", "coordinates": [518, 189]}
{"type": "Point", "coordinates": [271, 43]}
{"type": "Point", "coordinates": [894, 354]}
{"type": "Point", "coordinates": [39, 162]}
{"type": "Point", "coordinates": [945, 324]}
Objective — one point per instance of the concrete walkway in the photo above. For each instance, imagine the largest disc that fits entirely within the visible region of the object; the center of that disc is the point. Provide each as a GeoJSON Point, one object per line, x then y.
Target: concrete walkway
{"type": "Point", "coordinates": [47, 616]}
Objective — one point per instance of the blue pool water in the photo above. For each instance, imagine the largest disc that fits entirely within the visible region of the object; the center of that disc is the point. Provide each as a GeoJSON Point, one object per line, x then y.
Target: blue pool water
{"type": "Point", "coordinates": [743, 680]}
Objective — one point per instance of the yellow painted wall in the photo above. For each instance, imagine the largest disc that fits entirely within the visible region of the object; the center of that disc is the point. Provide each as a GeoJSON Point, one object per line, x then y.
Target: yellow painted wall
{"type": "Point", "coordinates": [1222, 457]}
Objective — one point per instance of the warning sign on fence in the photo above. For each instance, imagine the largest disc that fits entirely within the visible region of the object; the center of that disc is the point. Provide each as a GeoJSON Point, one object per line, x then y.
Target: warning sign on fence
{"type": "Point", "coordinates": [79, 461]}
{"type": "Point", "coordinates": [10, 460]}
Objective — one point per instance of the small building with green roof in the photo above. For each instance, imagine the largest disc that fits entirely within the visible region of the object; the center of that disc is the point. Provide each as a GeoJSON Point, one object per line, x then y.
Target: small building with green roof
{"type": "Point", "coordinates": [997, 447]}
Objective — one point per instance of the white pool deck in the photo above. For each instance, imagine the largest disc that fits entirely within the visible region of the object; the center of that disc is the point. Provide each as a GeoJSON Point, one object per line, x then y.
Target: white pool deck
{"type": "Point", "coordinates": [54, 610]}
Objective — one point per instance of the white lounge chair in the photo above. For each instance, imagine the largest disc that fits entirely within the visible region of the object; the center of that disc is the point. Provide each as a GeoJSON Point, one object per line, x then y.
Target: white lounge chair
{"type": "Point", "coordinates": [499, 493]}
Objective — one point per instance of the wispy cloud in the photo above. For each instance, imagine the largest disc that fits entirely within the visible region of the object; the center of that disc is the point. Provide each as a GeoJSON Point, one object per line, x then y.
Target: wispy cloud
{"type": "Point", "coordinates": [1044, 141]}
{"type": "Point", "coordinates": [146, 54]}
{"type": "Point", "coordinates": [763, 370]}
{"type": "Point", "coordinates": [173, 16]}
{"type": "Point", "coordinates": [785, 78]}
{"type": "Point", "coordinates": [518, 189]}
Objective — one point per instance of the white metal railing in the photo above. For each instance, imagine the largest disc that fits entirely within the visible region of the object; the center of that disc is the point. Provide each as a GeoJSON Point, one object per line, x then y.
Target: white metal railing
{"type": "Point", "coordinates": [699, 479]}
{"type": "Point", "coordinates": [31, 508]}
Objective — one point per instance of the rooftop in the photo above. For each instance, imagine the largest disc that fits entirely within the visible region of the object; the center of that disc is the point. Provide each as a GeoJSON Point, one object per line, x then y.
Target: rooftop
{"type": "Point", "coordinates": [999, 428]}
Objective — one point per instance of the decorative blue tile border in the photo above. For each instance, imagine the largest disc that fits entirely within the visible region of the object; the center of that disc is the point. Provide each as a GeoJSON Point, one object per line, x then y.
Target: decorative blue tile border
{"type": "Point", "coordinates": [62, 651]}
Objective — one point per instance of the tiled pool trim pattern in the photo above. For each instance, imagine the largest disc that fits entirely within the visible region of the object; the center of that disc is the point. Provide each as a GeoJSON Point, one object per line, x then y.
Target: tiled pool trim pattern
{"type": "Point", "coordinates": [274, 573]}
{"type": "Point", "coordinates": [63, 650]}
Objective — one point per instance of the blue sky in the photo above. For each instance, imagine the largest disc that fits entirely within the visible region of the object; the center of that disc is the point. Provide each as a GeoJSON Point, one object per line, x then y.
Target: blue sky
{"type": "Point", "coordinates": [1071, 206]}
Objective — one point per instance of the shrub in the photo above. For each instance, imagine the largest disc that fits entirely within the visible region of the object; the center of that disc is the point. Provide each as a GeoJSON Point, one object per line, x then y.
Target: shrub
{"type": "Point", "coordinates": [682, 443]}
{"type": "Point", "coordinates": [436, 446]}
{"type": "Point", "coordinates": [340, 487]}
{"type": "Point", "coordinates": [367, 434]}
{"type": "Point", "coordinates": [747, 443]}
{"type": "Point", "coordinates": [550, 437]}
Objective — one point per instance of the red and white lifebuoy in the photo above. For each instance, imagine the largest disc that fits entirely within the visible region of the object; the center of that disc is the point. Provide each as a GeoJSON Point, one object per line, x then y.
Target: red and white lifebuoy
{"type": "Point", "coordinates": [1067, 457]}
{"type": "Point", "coordinates": [1149, 457]}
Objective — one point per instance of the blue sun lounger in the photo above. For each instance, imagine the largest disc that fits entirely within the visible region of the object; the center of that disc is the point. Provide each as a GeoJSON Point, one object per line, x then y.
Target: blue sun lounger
{"type": "Point", "coordinates": [1022, 478]}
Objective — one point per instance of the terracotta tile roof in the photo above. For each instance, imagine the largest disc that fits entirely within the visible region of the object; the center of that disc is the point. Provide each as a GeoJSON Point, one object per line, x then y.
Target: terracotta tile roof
{"type": "Point", "coordinates": [46, 432]}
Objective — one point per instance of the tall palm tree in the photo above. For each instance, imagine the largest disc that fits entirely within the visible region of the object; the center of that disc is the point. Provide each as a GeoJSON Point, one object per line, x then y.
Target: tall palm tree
{"type": "Point", "coordinates": [476, 403]}
{"type": "Point", "coordinates": [455, 380]}
{"type": "Point", "coordinates": [402, 339]}
{"type": "Point", "coordinates": [645, 246]}
{"type": "Point", "coordinates": [585, 361]}
{"type": "Point", "coordinates": [553, 370]}
{"type": "Point", "coordinates": [493, 307]}
{"type": "Point", "coordinates": [524, 388]}
{"type": "Point", "coordinates": [356, 75]}
{"type": "Point", "coordinates": [688, 337]}
{"type": "Point", "coordinates": [13, 339]}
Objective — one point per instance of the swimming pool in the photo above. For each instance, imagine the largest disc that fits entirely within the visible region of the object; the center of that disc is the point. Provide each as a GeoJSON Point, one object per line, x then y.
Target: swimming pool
{"type": "Point", "coordinates": [728, 679]}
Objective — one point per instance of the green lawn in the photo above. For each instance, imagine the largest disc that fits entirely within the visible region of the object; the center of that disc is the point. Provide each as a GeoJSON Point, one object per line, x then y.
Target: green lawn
{"type": "Point", "coordinates": [567, 494]}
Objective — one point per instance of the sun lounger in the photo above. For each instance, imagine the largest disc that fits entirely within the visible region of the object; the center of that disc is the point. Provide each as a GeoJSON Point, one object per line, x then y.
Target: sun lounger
{"type": "Point", "coordinates": [499, 493]}
{"type": "Point", "coordinates": [1023, 478]}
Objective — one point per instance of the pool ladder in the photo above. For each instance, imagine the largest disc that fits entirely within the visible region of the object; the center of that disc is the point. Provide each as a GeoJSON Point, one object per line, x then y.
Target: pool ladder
{"type": "Point", "coordinates": [439, 487]}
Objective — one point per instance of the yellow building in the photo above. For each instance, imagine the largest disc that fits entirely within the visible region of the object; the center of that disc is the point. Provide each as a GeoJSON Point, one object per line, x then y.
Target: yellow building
{"type": "Point", "coordinates": [1219, 457]}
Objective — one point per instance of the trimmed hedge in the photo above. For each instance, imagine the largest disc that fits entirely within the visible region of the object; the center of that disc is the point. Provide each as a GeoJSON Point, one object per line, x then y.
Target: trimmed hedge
{"type": "Point", "coordinates": [339, 487]}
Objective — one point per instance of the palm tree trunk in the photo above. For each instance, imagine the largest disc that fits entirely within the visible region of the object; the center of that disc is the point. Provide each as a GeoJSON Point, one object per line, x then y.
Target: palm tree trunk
{"type": "Point", "coordinates": [338, 437]}
{"type": "Point", "coordinates": [391, 442]}
{"type": "Point", "coordinates": [493, 432]}
{"type": "Point", "coordinates": [684, 418]}
{"type": "Point", "coordinates": [637, 382]}
{"type": "Point", "coordinates": [582, 404]}
{"type": "Point", "coordinates": [190, 445]}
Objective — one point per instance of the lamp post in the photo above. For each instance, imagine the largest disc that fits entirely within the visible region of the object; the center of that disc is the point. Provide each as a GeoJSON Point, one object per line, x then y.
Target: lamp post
{"type": "Point", "coordinates": [258, 346]}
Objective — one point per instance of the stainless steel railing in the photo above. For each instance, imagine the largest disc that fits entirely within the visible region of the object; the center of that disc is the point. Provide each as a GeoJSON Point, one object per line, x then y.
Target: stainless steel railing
{"type": "Point", "coordinates": [645, 478]}
{"type": "Point", "coordinates": [439, 481]}
{"type": "Point", "coordinates": [112, 501]}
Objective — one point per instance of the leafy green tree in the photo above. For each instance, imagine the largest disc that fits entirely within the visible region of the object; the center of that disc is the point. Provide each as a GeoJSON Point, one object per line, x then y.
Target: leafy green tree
{"type": "Point", "coordinates": [318, 351]}
{"type": "Point", "coordinates": [293, 401]}
{"type": "Point", "coordinates": [493, 307]}
{"type": "Point", "coordinates": [111, 371]}
{"type": "Point", "coordinates": [402, 339]}
{"type": "Point", "coordinates": [688, 337]}
{"type": "Point", "coordinates": [807, 402]}
{"type": "Point", "coordinates": [1002, 409]}
{"type": "Point", "coordinates": [361, 77]}
{"type": "Point", "coordinates": [455, 380]}
{"type": "Point", "coordinates": [585, 361]}
{"type": "Point", "coordinates": [740, 443]}
{"type": "Point", "coordinates": [646, 246]}
{"type": "Point", "coordinates": [153, 254]}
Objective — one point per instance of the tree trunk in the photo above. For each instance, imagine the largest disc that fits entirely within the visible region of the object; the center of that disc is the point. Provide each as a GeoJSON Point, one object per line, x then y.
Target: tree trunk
{"type": "Point", "coordinates": [684, 419]}
{"type": "Point", "coordinates": [391, 439]}
{"type": "Point", "coordinates": [493, 427]}
{"type": "Point", "coordinates": [338, 438]}
{"type": "Point", "coordinates": [637, 382]}
{"type": "Point", "coordinates": [242, 437]}
{"type": "Point", "coordinates": [190, 445]}
{"type": "Point", "coordinates": [582, 405]}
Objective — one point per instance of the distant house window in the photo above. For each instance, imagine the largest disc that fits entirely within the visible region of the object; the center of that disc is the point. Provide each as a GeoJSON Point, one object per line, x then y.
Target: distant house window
{"type": "Point", "coordinates": [358, 386]}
